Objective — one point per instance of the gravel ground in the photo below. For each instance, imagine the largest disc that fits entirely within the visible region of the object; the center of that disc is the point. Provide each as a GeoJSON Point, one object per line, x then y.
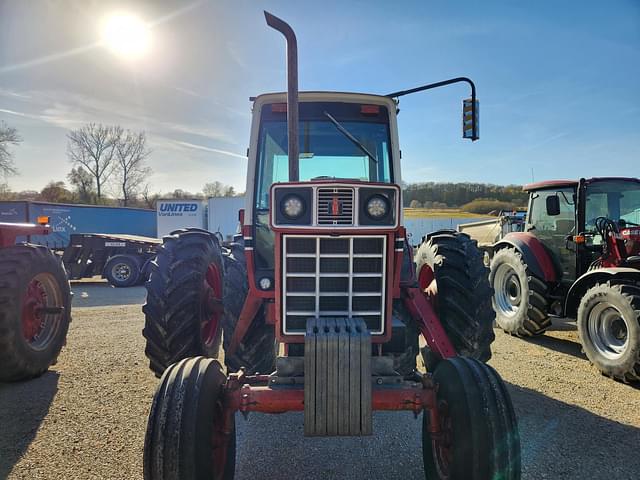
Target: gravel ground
{"type": "Point", "coordinates": [86, 417]}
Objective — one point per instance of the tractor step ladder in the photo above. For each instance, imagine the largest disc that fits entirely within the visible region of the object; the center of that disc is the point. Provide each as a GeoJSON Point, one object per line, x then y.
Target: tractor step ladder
{"type": "Point", "coordinates": [337, 377]}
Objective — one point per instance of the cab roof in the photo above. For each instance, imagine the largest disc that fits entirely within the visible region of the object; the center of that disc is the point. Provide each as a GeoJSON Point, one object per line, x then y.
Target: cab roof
{"type": "Point", "coordinates": [571, 183]}
{"type": "Point", "coordinates": [311, 96]}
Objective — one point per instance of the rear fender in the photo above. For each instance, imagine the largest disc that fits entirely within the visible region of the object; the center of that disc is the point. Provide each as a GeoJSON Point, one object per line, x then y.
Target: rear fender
{"type": "Point", "coordinates": [533, 253]}
{"type": "Point", "coordinates": [591, 278]}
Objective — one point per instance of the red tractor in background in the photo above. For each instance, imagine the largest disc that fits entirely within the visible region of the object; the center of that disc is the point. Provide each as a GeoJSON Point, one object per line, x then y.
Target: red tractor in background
{"type": "Point", "coordinates": [319, 305]}
{"type": "Point", "coordinates": [35, 303]}
{"type": "Point", "coordinates": [579, 257]}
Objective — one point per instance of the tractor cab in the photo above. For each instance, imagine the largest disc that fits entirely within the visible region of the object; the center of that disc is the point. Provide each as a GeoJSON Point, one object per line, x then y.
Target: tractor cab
{"type": "Point", "coordinates": [341, 216]}
{"type": "Point", "coordinates": [586, 222]}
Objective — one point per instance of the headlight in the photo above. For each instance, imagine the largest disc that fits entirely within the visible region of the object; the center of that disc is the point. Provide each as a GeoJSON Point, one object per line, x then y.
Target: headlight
{"type": "Point", "coordinates": [377, 207]}
{"type": "Point", "coordinates": [292, 206]}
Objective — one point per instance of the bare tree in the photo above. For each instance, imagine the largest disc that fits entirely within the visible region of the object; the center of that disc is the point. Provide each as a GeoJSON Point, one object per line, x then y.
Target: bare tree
{"type": "Point", "coordinates": [131, 153]}
{"type": "Point", "coordinates": [94, 148]}
{"type": "Point", "coordinates": [149, 199]}
{"type": "Point", "coordinates": [8, 136]}
{"type": "Point", "coordinates": [82, 181]}
{"type": "Point", "coordinates": [218, 189]}
{"type": "Point", "coordinates": [213, 189]}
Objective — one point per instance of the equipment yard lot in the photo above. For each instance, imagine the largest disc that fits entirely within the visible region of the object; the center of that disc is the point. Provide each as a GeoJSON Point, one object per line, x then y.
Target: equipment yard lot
{"type": "Point", "coordinates": [86, 417]}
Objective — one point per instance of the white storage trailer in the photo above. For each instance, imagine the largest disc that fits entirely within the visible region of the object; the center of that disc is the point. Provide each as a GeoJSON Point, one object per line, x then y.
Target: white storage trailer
{"type": "Point", "coordinates": [175, 214]}
{"type": "Point", "coordinates": [223, 215]}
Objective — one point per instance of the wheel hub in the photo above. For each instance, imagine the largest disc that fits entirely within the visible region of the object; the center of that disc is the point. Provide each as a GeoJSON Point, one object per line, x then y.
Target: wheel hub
{"type": "Point", "coordinates": [608, 330]}
{"type": "Point", "coordinates": [121, 272]}
{"type": "Point", "coordinates": [41, 309]}
{"type": "Point", "coordinates": [508, 290]}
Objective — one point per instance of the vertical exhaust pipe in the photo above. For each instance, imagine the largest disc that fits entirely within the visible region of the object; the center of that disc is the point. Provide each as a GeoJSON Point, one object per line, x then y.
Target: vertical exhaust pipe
{"type": "Point", "coordinates": [292, 92]}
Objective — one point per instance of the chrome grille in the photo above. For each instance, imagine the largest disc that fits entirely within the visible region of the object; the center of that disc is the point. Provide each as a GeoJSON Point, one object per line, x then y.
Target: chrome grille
{"type": "Point", "coordinates": [335, 206]}
{"type": "Point", "coordinates": [327, 276]}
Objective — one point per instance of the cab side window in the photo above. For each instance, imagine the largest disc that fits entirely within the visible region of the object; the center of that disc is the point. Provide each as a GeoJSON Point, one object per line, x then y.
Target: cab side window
{"type": "Point", "coordinates": [564, 223]}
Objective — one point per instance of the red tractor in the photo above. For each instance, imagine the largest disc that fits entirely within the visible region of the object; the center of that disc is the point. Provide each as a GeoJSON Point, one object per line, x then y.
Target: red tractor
{"type": "Point", "coordinates": [579, 257]}
{"type": "Point", "coordinates": [319, 305]}
{"type": "Point", "coordinates": [35, 304]}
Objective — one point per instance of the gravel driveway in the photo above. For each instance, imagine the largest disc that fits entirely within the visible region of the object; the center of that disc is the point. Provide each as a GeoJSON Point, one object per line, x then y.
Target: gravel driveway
{"type": "Point", "coordinates": [86, 417]}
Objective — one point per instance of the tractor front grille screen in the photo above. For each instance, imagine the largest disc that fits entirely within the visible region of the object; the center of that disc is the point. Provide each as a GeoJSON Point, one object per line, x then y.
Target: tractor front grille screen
{"type": "Point", "coordinates": [327, 276]}
{"type": "Point", "coordinates": [335, 206]}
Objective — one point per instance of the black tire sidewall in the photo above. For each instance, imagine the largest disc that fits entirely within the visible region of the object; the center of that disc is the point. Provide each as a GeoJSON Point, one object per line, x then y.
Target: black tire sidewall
{"type": "Point", "coordinates": [18, 359]}
{"type": "Point", "coordinates": [516, 322]}
{"type": "Point", "coordinates": [626, 363]}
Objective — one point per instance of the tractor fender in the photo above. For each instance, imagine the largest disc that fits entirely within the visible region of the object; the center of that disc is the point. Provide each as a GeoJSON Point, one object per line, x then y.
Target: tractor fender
{"type": "Point", "coordinates": [589, 279]}
{"type": "Point", "coordinates": [533, 253]}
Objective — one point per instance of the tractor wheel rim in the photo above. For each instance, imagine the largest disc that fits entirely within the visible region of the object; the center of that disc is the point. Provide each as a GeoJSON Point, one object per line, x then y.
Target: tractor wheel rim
{"type": "Point", "coordinates": [121, 272]}
{"type": "Point", "coordinates": [211, 305]}
{"type": "Point", "coordinates": [442, 443]}
{"type": "Point", "coordinates": [608, 330]}
{"type": "Point", "coordinates": [220, 444]}
{"type": "Point", "coordinates": [39, 326]}
{"type": "Point", "coordinates": [508, 290]}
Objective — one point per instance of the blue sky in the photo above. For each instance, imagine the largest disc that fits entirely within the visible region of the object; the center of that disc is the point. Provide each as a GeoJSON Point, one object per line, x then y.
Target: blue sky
{"type": "Point", "coordinates": [557, 82]}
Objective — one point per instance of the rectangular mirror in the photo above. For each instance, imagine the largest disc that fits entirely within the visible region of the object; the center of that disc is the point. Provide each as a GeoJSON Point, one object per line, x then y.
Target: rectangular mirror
{"type": "Point", "coordinates": [553, 205]}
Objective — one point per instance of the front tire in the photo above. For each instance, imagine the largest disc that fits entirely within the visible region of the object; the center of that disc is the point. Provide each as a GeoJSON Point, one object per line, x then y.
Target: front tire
{"type": "Point", "coordinates": [463, 292]}
{"type": "Point", "coordinates": [184, 438]}
{"type": "Point", "coordinates": [35, 311]}
{"type": "Point", "coordinates": [609, 328]}
{"type": "Point", "coordinates": [519, 298]}
{"type": "Point", "coordinates": [479, 437]}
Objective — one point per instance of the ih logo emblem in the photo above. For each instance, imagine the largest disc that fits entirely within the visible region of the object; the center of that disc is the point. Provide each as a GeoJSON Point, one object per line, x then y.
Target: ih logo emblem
{"type": "Point", "coordinates": [335, 207]}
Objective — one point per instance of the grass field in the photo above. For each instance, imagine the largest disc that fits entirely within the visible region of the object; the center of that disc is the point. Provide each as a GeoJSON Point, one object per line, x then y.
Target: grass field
{"type": "Point", "coordinates": [439, 213]}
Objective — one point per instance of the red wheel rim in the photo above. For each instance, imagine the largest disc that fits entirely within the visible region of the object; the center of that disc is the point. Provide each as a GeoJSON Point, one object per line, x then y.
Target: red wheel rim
{"type": "Point", "coordinates": [211, 305]}
{"type": "Point", "coordinates": [41, 311]}
{"type": "Point", "coordinates": [442, 443]}
{"type": "Point", "coordinates": [220, 442]}
{"type": "Point", "coordinates": [427, 283]}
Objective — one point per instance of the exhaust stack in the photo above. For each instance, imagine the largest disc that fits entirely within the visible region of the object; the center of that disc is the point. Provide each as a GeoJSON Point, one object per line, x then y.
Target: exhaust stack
{"type": "Point", "coordinates": [292, 92]}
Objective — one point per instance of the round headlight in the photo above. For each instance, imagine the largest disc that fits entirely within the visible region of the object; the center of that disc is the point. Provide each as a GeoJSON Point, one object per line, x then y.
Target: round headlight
{"type": "Point", "coordinates": [377, 207]}
{"type": "Point", "coordinates": [292, 206]}
{"type": "Point", "coordinates": [265, 283]}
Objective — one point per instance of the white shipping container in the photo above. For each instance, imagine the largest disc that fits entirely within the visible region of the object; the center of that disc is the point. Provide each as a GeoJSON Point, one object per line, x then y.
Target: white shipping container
{"type": "Point", "coordinates": [223, 215]}
{"type": "Point", "coordinates": [175, 214]}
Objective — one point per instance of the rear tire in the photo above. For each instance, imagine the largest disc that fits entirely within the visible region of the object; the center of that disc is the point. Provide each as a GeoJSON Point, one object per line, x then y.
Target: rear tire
{"type": "Point", "coordinates": [31, 277]}
{"type": "Point", "coordinates": [463, 299]}
{"type": "Point", "coordinates": [609, 328]}
{"type": "Point", "coordinates": [122, 271]}
{"type": "Point", "coordinates": [183, 430]}
{"type": "Point", "coordinates": [479, 437]}
{"type": "Point", "coordinates": [520, 298]}
{"type": "Point", "coordinates": [178, 319]}
{"type": "Point", "coordinates": [257, 351]}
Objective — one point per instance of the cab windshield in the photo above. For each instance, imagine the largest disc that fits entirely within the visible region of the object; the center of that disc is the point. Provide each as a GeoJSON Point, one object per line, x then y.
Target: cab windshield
{"type": "Point", "coordinates": [325, 151]}
{"type": "Point", "coordinates": [617, 200]}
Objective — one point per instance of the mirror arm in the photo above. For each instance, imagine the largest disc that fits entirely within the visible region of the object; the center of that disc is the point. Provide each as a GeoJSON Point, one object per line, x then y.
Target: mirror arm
{"type": "Point", "coordinates": [442, 84]}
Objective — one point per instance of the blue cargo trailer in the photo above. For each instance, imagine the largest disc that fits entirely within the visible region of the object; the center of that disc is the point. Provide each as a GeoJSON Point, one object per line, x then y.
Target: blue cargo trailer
{"type": "Point", "coordinates": [67, 219]}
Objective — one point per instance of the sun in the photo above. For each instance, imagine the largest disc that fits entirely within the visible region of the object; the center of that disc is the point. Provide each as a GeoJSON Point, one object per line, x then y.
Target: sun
{"type": "Point", "coordinates": [126, 35]}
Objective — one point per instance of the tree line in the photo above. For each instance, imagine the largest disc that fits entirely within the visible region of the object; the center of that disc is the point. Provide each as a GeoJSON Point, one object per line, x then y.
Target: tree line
{"type": "Point", "coordinates": [109, 167]}
{"type": "Point", "coordinates": [465, 195]}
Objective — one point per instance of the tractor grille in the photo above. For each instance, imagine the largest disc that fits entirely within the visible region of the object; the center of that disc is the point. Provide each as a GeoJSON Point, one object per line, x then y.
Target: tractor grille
{"type": "Point", "coordinates": [335, 206]}
{"type": "Point", "coordinates": [333, 277]}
